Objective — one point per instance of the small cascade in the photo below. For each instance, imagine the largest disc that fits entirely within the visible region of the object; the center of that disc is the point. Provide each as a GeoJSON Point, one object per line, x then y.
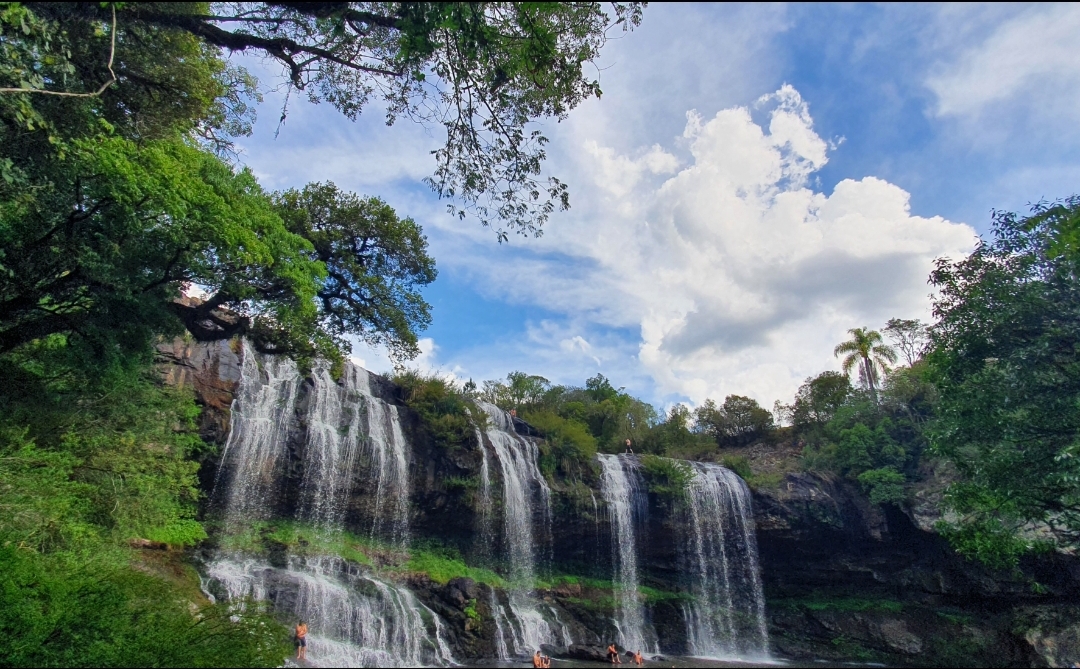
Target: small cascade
{"type": "Point", "coordinates": [390, 463]}
{"type": "Point", "coordinates": [486, 534]}
{"type": "Point", "coordinates": [522, 482]}
{"type": "Point", "coordinates": [727, 615]}
{"type": "Point", "coordinates": [355, 617]}
{"type": "Point", "coordinates": [627, 503]}
{"type": "Point", "coordinates": [333, 442]}
{"type": "Point", "coordinates": [251, 468]}
{"type": "Point", "coordinates": [357, 620]}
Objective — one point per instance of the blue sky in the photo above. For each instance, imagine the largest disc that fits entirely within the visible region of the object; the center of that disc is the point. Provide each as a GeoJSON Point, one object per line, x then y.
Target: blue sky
{"type": "Point", "coordinates": [754, 181]}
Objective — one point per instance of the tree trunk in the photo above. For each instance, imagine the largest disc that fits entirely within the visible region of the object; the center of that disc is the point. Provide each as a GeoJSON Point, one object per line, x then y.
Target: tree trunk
{"type": "Point", "coordinates": [868, 368]}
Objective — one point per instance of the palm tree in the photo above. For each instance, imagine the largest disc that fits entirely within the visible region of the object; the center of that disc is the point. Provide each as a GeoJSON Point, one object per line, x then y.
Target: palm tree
{"type": "Point", "coordinates": [865, 348]}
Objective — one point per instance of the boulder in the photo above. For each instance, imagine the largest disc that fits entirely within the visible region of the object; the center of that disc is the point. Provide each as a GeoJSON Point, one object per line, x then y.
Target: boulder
{"type": "Point", "coordinates": [578, 651]}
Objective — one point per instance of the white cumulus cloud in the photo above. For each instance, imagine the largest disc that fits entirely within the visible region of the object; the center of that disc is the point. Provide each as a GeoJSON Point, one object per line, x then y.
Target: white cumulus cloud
{"type": "Point", "coordinates": [740, 277]}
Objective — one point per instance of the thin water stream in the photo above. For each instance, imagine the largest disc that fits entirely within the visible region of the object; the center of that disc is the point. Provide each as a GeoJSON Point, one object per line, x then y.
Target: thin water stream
{"type": "Point", "coordinates": [627, 502]}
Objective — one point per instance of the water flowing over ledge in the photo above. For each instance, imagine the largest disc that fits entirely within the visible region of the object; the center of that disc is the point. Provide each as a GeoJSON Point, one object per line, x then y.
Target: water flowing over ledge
{"type": "Point", "coordinates": [343, 439]}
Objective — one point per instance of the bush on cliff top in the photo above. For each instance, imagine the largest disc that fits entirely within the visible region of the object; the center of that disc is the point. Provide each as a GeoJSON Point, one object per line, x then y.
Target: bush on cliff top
{"type": "Point", "coordinates": [667, 478]}
{"type": "Point", "coordinates": [445, 411]}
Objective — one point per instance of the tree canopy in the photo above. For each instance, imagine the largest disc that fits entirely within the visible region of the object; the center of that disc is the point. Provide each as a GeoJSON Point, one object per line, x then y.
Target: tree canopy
{"type": "Point", "coordinates": [482, 71]}
{"type": "Point", "coordinates": [1004, 360]}
{"type": "Point", "coordinates": [866, 350]}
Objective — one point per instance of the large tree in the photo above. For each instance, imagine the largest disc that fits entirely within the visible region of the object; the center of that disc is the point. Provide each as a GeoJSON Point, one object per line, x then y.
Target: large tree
{"type": "Point", "coordinates": [483, 71]}
{"type": "Point", "coordinates": [1006, 361]}
{"type": "Point", "coordinates": [375, 265]}
{"type": "Point", "coordinates": [737, 422]}
{"type": "Point", "coordinates": [107, 209]}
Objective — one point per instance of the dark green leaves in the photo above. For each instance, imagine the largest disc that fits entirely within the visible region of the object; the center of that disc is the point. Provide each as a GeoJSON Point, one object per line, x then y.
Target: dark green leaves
{"type": "Point", "coordinates": [375, 265]}
{"type": "Point", "coordinates": [1006, 359]}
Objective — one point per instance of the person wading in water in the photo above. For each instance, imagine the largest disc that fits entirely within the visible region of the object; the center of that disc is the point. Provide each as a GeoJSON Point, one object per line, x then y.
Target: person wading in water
{"type": "Point", "coordinates": [301, 640]}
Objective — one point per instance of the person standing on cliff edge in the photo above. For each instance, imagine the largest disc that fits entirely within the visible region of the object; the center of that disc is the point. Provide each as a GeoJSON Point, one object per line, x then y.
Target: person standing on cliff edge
{"type": "Point", "coordinates": [628, 449]}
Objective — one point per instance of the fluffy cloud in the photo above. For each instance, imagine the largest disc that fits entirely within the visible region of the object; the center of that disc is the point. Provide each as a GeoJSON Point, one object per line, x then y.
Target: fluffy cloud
{"type": "Point", "coordinates": [738, 274]}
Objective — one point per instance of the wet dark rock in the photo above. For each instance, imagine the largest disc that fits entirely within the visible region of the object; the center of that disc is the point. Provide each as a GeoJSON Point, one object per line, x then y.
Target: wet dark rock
{"type": "Point", "coordinates": [587, 653]}
{"type": "Point", "coordinates": [844, 579]}
{"type": "Point", "coordinates": [552, 651]}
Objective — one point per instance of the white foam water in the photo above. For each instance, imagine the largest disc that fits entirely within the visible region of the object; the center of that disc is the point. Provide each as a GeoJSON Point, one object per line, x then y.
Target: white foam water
{"type": "Point", "coordinates": [726, 617]}
{"type": "Point", "coordinates": [525, 495]}
{"type": "Point", "coordinates": [627, 503]}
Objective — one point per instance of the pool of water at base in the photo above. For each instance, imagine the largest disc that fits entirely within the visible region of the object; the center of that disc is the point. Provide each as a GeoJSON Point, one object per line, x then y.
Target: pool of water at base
{"type": "Point", "coordinates": [673, 661]}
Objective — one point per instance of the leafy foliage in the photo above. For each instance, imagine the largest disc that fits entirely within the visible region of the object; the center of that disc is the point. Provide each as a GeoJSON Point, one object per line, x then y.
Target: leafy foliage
{"type": "Point", "coordinates": [884, 485]}
{"type": "Point", "coordinates": [1004, 360]}
{"type": "Point", "coordinates": [666, 478]}
{"type": "Point", "coordinates": [819, 398]}
{"type": "Point", "coordinates": [375, 263]}
{"type": "Point", "coordinates": [910, 336]}
{"type": "Point", "coordinates": [87, 463]}
{"type": "Point", "coordinates": [737, 422]}
{"type": "Point", "coordinates": [520, 390]}
{"type": "Point", "coordinates": [865, 349]}
{"type": "Point", "coordinates": [81, 609]}
{"type": "Point", "coordinates": [482, 71]}
{"type": "Point", "coordinates": [569, 448]}
{"type": "Point", "coordinates": [444, 410]}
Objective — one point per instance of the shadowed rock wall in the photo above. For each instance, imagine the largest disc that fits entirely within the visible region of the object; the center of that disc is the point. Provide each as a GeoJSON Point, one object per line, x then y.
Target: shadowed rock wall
{"type": "Point", "coordinates": [844, 579]}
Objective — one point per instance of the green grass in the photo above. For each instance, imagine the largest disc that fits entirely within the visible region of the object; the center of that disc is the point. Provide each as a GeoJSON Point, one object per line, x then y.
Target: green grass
{"type": "Point", "coordinates": [654, 596]}
{"type": "Point", "coordinates": [301, 539]}
{"type": "Point", "coordinates": [441, 568]}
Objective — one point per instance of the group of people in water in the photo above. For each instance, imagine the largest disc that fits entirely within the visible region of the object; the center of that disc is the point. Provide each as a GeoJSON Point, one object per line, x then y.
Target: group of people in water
{"type": "Point", "coordinates": [544, 662]}
{"type": "Point", "coordinates": [613, 651]}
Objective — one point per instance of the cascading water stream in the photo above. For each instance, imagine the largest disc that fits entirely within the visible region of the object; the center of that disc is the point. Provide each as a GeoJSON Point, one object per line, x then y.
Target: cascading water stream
{"type": "Point", "coordinates": [390, 463]}
{"type": "Point", "coordinates": [250, 473]}
{"type": "Point", "coordinates": [727, 615]}
{"type": "Point", "coordinates": [627, 502]}
{"type": "Point", "coordinates": [356, 618]}
{"type": "Point", "coordinates": [522, 482]}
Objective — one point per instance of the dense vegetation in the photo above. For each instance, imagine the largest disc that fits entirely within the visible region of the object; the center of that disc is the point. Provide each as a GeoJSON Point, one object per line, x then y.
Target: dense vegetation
{"type": "Point", "coordinates": [118, 202]}
{"type": "Point", "coordinates": [990, 389]}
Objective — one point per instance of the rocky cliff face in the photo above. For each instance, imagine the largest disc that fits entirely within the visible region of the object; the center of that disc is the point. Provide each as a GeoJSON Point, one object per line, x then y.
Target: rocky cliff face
{"type": "Point", "coordinates": [844, 579]}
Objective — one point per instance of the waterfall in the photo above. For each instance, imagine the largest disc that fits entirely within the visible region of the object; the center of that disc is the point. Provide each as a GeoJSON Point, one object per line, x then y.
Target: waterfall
{"type": "Point", "coordinates": [627, 503]}
{"type": "Point", "coordinates": [356, 620]}
{"type": "Point", "coordinates": [522, 482]}
{"type": "Point", "coordinates": [355, 617]}
{"type": "Point", "coordinates": [251, 471]}
{"type": "Point", "coordinates": [390, 464]}
{"type": "Point", "coordinates": [727, 614]}
{"type": "Point", "coordinates": [486, 534]}
{"type": "Point", "coordinates": [333, 440]}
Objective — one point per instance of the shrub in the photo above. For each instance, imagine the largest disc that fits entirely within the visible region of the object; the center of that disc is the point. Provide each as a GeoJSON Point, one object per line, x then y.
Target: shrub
{"type": "Point", "coordinates": [444, 410]}
{"type": "Point", "coordinates": [665, 477]}
{"type": "Point", "coordinates": [884, 485]}
{"type": "Point", "coordinates": [570, 448]}
{"type": "Point", "coordinates": [738, 464]}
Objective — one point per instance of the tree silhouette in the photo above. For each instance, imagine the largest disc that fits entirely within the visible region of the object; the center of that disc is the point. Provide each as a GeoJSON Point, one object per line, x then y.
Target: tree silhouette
{"type": "Point", "coordinates": [865, 349]}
